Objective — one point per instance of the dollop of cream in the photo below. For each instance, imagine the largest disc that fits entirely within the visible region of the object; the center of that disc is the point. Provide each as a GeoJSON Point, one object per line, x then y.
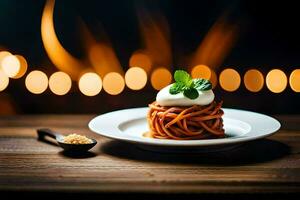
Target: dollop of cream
{"type": "Point", "coordinates": [164, 98]}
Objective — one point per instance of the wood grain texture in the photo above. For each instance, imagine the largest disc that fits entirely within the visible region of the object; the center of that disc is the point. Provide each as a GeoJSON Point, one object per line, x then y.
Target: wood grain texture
{"type": "Point", "coordinates": [265, 166]}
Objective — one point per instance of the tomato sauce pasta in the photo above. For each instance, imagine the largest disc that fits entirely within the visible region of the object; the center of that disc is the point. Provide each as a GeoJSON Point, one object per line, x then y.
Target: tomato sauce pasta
{"type": "Point", "coordinates": [186, 123]}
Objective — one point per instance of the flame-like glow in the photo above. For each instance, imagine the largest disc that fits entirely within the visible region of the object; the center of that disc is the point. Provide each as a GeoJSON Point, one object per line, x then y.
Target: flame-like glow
{"type": "Point", "coordinates": [104, 59]}
{"type": "Point", "coordinates": [135, 78]}
{"type": "Point", "coordinates": [253, 80]}
{"type": "Point", "coordinates": [113, 83]}
{"type": "Point", "coordinates": [101, 54]}
{"type": "Point", "coordinates": [61, 58]}
{"type": "Point", "coordinates": [230, 80]}
{"type": "Point", "coordinates": [160, 78]}
{"type": "Point", "coordinates": [60, 83]}
{"type": "Point", "coordinates": [295, 80]}
{"type": "Point", "coordinates": [23, 67]}
{"type": "Point", "coordinates": [155, 36]}
{"type": "Point", "coordinates": [36, 82]}
{"type": "Point", "coordinates": [10, 65]}
{"type": "Point", "coordinates": [4, 80]}
{"type": "Point", "coordinates": [141, 59]}
{"type": "Point", "coordinates": [216, 45]}
{"type": "Point", "coordinates": [90, 84]}
{"type": "Point", "coordinates": [276, 81]}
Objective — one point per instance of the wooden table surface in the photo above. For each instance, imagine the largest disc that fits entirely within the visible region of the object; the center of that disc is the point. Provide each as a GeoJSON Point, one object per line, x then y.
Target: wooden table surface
{"type": "Point", "coordinates": [267, 166]}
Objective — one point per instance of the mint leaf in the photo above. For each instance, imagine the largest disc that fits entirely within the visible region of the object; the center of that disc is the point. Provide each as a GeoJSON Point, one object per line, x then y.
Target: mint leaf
{"type": "Point", "coordinates": [202, 84]}
{"type": "Point", "coordinates": [176, 88]}
{"type": "Point", "coordinates": [190, 84]}
{"type": "Point", "coordinates": [184, 83]}
{"type": "Point", "coordinates": [191, 93]}
{"type": "Point", "coordinates": [182, 77]}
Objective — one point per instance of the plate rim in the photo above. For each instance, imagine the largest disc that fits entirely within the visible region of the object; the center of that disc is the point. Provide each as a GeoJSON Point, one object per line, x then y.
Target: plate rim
{"type": "Point", "coordinates": [183, 143]}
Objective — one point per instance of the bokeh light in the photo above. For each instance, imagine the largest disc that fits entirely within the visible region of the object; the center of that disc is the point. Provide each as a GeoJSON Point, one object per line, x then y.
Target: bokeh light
{"type": "Point", "coordinates": [230, 80]}
{"type": "Point", "coordinates": [4, 80]}
{"type": "Point", "coordinates": [113, 83]}
{"type": "Point", "coordinates": [60, 83]}
{"type": "Point", "coordinates": [201, 71]}
{"type": "Point", "coordinates": [142, 60]}
{"type": "Point", "coordinates": [23, 66]}
{"type": "Point", "coordinates": [3, 54]}
{"type": "Point", "coordinates": [10, 65]}
{"type": "Point", "coordinates": [253, 80]}
{"type": "Point", "coordinates": [295, 80]}
{"type": "Point", "coordinates": [160, 78]}
{"type": "Point", "coordinates": [276, 80]}
{"type": "Point", "coordinates": [135, 78]}
{"type": "Point", "coordinates": [36, 82]}
{"type": "Point", "coordinates": [90, 84]}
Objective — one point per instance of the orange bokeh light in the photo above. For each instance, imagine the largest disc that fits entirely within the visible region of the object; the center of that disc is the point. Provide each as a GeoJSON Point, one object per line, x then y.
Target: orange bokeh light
{"type": "Point", "coordinates": [201, 71]}
{"type": "Point", "coordinates": [295, 80]}
{"type": "Point", "coordinates": [90, 84]}
{"type": "Point", "coordinates": [230, 80]}
{"type": "Point", "coordinates": [10, 65]}
{"type": "Point", "coordinates": [276, 81]}
{"type": "Point", "coordinates": [136, 78]}
{"type": "Point", "coordinates": [3, 54]}
{"type": "Point", "coordinates": [142, 60]}
{"type": "Point", "coordinates": [60, 83]}
{"type": "Point", "coordinates": [36, 82]}
{"type": "Point", "coordinates": [160, 78]}
{"type": "Point", "coordinates": [253, 80]}
{"type": "Point", "coordinates": [113, 83]}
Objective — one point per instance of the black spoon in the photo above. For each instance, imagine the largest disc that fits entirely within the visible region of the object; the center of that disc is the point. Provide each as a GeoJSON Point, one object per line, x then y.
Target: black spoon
{"type": "Point", "coordinates": [42, 133]}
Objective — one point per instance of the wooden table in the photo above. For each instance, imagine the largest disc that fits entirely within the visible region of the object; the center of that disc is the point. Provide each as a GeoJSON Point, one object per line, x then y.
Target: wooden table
{"type": "Point", "coordinates": [269, 166]}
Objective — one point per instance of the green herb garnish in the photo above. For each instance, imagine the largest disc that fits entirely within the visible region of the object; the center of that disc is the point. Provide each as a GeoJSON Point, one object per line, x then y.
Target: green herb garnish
{"type": "Point", "coordinates": [202, 84]}
{"type": "Point", "coordinates": [184, 83]}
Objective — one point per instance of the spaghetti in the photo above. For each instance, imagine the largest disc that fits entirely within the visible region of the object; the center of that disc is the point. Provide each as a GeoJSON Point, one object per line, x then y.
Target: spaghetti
{"type": "Point", "coordinates": [186, 123]}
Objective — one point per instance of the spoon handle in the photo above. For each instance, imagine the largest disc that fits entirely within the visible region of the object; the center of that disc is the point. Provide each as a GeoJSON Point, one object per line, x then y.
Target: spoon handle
{"type": "Point", "coordinates": [46, 132]}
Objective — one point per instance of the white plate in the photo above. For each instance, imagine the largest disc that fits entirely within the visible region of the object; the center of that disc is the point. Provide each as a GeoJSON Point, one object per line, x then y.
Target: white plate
{"type": "Point", "coordinates": [130, 124]}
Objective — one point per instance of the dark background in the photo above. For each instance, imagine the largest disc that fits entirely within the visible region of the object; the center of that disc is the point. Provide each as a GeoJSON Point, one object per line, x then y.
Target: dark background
{"type": "Point", "coordinates": [269, 38]}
